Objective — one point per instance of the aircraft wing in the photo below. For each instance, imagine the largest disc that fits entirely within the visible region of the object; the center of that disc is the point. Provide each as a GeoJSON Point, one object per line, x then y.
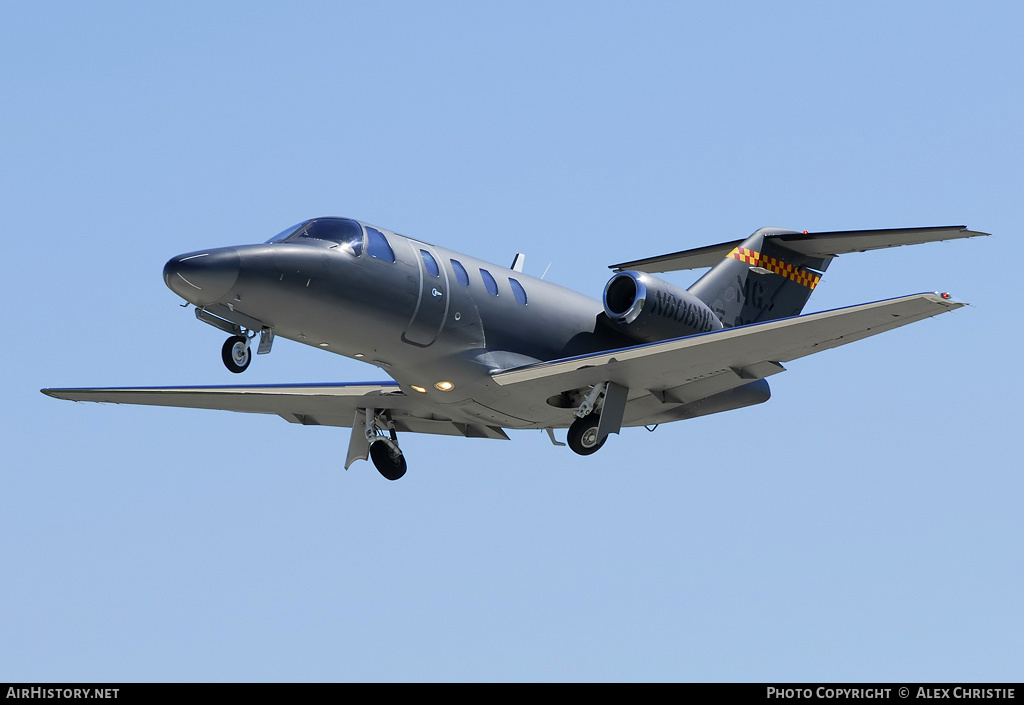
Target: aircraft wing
{"type": "Point", "coordinates": [307, 404]}
{"type": "Point", "coordinates": [668, 372]}
{"type": "Point", "coordinates": [695, 367]}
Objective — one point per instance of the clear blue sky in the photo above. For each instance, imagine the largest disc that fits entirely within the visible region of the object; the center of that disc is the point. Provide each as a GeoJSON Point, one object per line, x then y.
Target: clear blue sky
{"type": "Point", "coordinates": [865, 524]}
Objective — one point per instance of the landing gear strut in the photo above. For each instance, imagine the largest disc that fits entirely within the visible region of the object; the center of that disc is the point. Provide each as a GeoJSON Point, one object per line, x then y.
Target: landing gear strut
{"type": "Point", "coordinates": [387, 457]}
{"type": "Point", "coordinates": [583, 434]}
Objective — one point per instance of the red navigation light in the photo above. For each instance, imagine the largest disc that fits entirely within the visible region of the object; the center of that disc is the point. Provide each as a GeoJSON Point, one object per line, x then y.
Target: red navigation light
{"type": "Point", "coordinates": [946, 295]}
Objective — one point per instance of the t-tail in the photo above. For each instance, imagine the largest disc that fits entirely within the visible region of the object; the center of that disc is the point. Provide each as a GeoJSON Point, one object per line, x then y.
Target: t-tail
{"type": "Point", "coordinates": [773, 272]}
{"type": "Point", "coordinates": [760, 280]}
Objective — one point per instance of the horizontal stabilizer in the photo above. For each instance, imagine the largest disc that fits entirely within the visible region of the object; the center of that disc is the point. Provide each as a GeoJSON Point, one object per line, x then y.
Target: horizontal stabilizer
{"type": "Point", "coordinates": [814, 245]}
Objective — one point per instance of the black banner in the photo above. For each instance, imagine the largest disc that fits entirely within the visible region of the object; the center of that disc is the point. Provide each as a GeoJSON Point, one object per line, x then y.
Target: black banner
{"type": "Point", "coordinates": [896, 692]}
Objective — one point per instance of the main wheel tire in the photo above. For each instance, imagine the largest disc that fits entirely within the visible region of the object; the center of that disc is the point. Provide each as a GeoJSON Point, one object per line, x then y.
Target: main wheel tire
{"type": "Point", "coordinates": [390, 467]}
{"type": "Point", "coordinates": [236, 354]}
{"type": "Point", "coordinates": [582, 437]}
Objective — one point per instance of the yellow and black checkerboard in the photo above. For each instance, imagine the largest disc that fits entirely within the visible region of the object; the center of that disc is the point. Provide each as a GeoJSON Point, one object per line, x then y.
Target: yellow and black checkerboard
{"type": "Point", "coordinates": [756, 259]}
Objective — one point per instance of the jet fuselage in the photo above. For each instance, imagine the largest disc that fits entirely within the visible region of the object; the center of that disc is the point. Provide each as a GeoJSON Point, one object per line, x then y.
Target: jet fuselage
{"type": "Point", "coordinates": [426, 315]}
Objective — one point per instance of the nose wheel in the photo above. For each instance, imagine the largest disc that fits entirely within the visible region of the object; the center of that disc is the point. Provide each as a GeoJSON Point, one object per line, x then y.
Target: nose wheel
{"type": "Point", "coordinates": [236, 353]}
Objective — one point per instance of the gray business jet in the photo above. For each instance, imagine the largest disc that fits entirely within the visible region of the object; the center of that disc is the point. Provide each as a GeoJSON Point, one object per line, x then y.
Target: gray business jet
{"type": "Point", "coordinates": [474, 348]}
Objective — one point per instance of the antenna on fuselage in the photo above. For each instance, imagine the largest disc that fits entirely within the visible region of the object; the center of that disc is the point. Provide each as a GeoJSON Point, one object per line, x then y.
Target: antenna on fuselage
{"type": "Point", "coordinates": [518, 262]}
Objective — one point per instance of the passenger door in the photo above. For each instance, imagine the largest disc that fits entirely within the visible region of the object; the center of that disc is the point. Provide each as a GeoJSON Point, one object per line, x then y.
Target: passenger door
{"type": "Point", "coordinates": [432, 307]}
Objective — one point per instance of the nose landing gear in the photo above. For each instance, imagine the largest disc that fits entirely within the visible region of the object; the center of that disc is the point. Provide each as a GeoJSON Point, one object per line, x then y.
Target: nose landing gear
{"type": "Point", "coordinates": [237, 350]}
{"type": "Point", "coordinates": [236, 354]}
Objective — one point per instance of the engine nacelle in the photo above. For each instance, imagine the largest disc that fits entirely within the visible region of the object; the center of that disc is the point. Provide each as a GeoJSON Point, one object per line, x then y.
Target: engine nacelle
{"type": "Point", "coordinates": [649, 309]}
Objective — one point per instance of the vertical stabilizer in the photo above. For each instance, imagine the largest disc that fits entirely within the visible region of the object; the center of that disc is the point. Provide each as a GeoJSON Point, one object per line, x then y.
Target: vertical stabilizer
{"type": "Point", "coordinates": [760, 280]}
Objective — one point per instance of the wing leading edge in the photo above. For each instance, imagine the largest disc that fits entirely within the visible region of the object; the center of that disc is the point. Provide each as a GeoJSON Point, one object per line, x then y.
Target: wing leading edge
{"type": "Point", "coordinates": [307, 404]}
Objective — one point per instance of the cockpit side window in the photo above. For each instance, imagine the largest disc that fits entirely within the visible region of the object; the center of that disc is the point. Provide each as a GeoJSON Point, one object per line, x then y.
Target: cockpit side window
{"type": "Point", "coordinates": [345, 232]}
{"type": "Point", "coordinates": [377, 245]}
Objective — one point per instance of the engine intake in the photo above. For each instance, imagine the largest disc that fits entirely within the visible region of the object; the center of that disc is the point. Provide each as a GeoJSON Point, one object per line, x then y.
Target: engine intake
{"type": "Point", "coordinates": [649, 309]}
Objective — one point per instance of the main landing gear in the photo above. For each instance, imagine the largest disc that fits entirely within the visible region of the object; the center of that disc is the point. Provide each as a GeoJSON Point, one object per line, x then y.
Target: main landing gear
{"type": "Point", "coordinates": [599, 414]}
{"type": "Point", "coordinates": [387, 457]}
{"type": "Point", "coordinates": [583, 437]}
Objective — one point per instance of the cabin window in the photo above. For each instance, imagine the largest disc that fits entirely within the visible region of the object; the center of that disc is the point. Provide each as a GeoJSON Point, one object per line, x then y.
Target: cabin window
{"type": "Point", "coordinates": [430, 263]}
{"type": "Point", "coordinates": [461, 275]}
{"type": "Point", "coordinates": [377, 245]}
{"type": "Point", "coordinates": [489, 283]}
{"type": "Point", "coordinates": [346, 233]}
{"type": "Point", "coordinates": [517, 290]}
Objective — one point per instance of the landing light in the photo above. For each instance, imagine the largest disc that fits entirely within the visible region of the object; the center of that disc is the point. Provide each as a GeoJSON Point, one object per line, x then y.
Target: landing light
{"type": "Point", "coordinates": [421, 390]}
{"type": "Point", "coordinates": [444, 386]}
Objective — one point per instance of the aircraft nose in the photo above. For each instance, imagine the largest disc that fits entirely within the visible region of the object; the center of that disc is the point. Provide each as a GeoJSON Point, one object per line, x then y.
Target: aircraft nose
{"type": "Point", "coordinates": [202, 278]}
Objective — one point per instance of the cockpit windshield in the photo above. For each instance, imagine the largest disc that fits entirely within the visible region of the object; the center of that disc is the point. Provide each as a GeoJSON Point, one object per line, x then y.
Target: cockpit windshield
{"type": "Point", "coordinates": [283, 235]}
{"type": "Point", "coordinates": [343, 231]}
